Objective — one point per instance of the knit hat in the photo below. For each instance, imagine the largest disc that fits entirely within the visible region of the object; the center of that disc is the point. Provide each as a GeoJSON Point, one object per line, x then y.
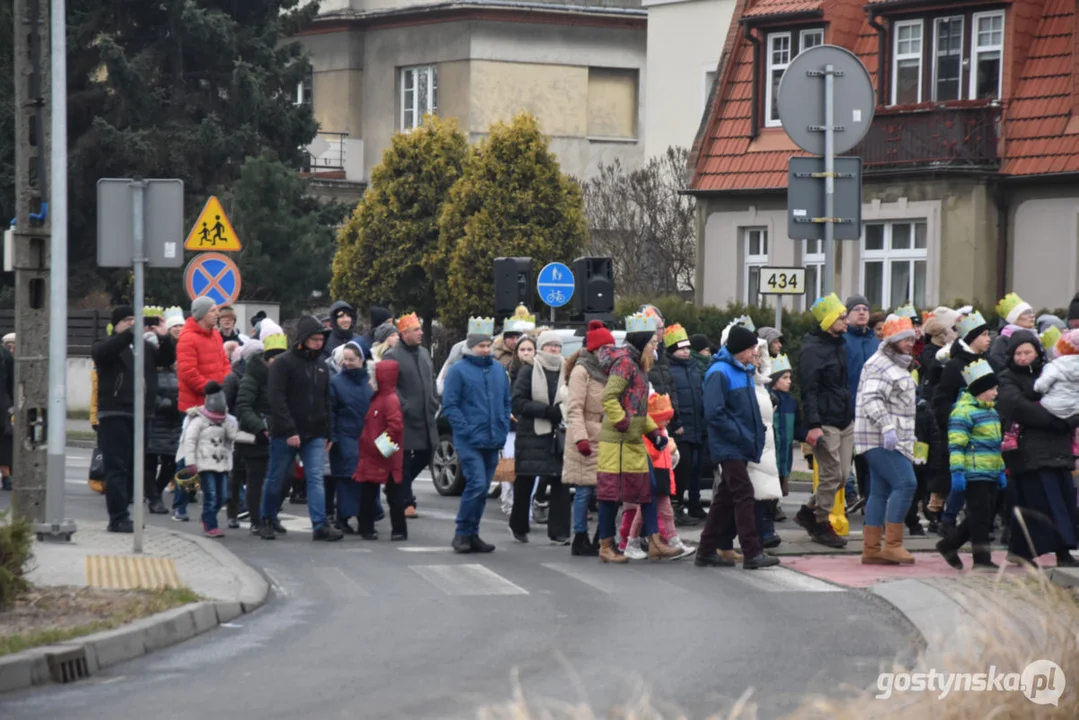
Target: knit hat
{"type": "Point", "coordinates": [660, 407]}
{"type": "Point", "coordinates": [826, 310]}
{"type": "Point", "coordinates": [378, 315]}
{"type": "Point", "coordinates": [972, 326]}
{"type": "Point", "coordinates": [854, 301]}
{"type": "Point", "coordinates": [548, 337]}
{"type": "Point", "coordinates": [597, 336]}
{"type": "Point", "coordinates": [769, 334]}
{"type": "Point", "coordinates": [479, 330]}
{"type": "Point", "coordinates": [215, 398]}
{"type": "Point", "coordinates": [897, 328]}
{"type": "Point", "coordinates": [1068, 344]}
{"type": "Point", "coordinates": [251, 347]}
{"type": "Point", "coordinates": [699, 341]}
{"type": "Point", "coordinates": [740, 339]}
{"type": "Point", "coordinates": [979, 377]}
{"type": "Point", "coordinates": [384, 332]}
{"type": "Point", "coordinates": [940, 321]}
{"type": "Point", "coordinates": [1046, 321]}
{"type": "Point", "coordinates": [10, 337]}
{"type": "Point", "coordinates": [173, 316]}
{"type": "Point", "coordinates": [675, 337]}
{"type": "Point", "coordinates": [257, 318]}
{"type": "Point", "coordinates": [1011, 307]}
{"type": "Point", "coordinates": [407, 322]}
{"type": "Point", "coordinates": [780, 365]}
{"type": "Point", "coordinates": [273, 338]}
{"type": "Point", "coordinates": [200, 306]}
{"type": "Point", "coordinates": [120, 312]}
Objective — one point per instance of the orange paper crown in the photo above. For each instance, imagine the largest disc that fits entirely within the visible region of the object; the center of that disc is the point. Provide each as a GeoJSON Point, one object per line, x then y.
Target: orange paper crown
{"type": "Point", "coordinates": [895, 325]}
{"type": "Point", "coordinates": [659, 407]}
{"type": "Point", "coordinates": [407, 322]}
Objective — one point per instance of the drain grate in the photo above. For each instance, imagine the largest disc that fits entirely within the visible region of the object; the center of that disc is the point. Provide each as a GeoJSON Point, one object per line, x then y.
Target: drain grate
{"type": "Point", "coordinates": [68, 666]}
{"type": "Point", "coordinates": [128, 572]}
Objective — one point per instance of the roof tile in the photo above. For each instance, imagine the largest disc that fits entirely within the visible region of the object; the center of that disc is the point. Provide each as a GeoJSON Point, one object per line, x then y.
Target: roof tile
{"type": "Point", "coordinates": [781, 7]}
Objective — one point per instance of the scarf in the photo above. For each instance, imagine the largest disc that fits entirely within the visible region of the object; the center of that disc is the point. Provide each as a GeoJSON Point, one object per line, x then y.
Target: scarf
{"type": "Point", "coordinates": [543, 363]}
{"type": "Point", "coordinates": [903, 361]}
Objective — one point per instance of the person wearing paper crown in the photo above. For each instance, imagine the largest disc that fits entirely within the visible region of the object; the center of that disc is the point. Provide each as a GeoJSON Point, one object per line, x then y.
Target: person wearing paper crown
{"type": "Point", "coordinates": [660, 373]}
{"type": "Point", "coordinates": [909, 311]}
{"type": "Point", "coordinates": [1016, 315]}
{"type": "Point", "coordinates": [974, 442]}
{"type": "Point", "coordinates": [884, 420]}
{"type": "Point", "coordinates": [382, 425]}
{"type": "Point", "coordinates": [689, 391]}
{"type": "Point", "coordinates": [514, 327]}
{"type": "Point", "coordinates": [477, 403]}
{"type": "Point", "coordinates": [828, 409]}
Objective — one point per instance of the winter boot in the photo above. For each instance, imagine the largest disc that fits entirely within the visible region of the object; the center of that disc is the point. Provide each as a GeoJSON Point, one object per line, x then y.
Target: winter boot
{"type": "Point", "coordinates": [983, 559]}
{"type": "Point", "coordinates": [607, 553]}
{"type": "Point", "coordinates": [950, 554]}
{"type": "Point", "coordinates": [582, 547]}
{"type": "Point", "coordinates": [893, 550]}
{"type": "Point", "coordinates": [871, 535]}
{"type": "Point", "coordinates": [733, 555]}
{"type": "Point", "coordinates": [658, 549]}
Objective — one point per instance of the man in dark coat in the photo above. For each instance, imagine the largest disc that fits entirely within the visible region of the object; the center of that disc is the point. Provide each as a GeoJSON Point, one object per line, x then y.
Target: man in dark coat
{"type": "Point", "coordinates": [343, 327]}
{"type": "Point", "coordinates": [416, 388]}
{"type": "Point", "coordinates": [299, 392]}
{"type": "Point", "coordinates": [693, 434]}
{"type": "Point", "coordinates": [114, 358]}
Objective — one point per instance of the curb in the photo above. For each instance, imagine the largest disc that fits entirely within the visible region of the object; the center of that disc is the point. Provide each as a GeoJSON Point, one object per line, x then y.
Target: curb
{"type": "Point", "coordinates": [1064, 577]}
{"type": "Point", "coordinates": [101, 650]}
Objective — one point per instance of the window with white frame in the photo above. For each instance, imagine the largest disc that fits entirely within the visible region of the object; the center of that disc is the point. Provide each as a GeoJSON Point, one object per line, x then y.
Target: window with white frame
{"type": "Point", "coordinates": [948, 59]}
{"type": "Point", "coordinates": [810, 38]}
{"type": "Point", "coordinates": [781, 48]}
{"type": "Point", "coordinates": [813, 262]}
{"type": "Point", "coordinates": [987, 52]}
{"type": "Point", "coordinates": [419, 94]}
{"type": "Point", "coordinates": [304, 90]}
{"type": "Point", "coordinates": [756, 254]}
{"type": "Point", "coordinates": [907, 62]}
{"type": "Point", "coordinates": [894, 260]}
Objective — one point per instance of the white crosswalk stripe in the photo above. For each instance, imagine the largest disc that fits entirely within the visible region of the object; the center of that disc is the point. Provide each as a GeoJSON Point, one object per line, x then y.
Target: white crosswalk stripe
{"type": "Point", "coordinates": [342, 584]}
{"type": "Point", "coordinates": [780, 579]}
{"type": "Point", "coordinates": [467, 580]}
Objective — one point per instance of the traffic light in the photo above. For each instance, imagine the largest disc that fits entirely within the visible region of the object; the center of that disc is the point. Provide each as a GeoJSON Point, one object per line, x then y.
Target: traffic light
{"type": "Point", "coordinates": [513, 285]}
{"type": "Point", "coordinates": [594, 295]}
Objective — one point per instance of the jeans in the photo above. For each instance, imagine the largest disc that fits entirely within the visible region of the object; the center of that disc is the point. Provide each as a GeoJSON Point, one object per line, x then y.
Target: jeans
{"type": "Point", "coordinates": [608, 510]}
{"type": "Point", "coordinates": [414, 463]}
{"type": "Point", "coordinates": [891, 487]}
{"type": "Point", "coordinates": [581, 498]}
{"type": "Point", "coordinates": [115, 436]}
{"type": "Point", "coordinates": [313, 454]}
{"type": "Point", "coordinates": [215, 491]}
{"type": "Point", "coordinates": [952, 507]}
{"type": "Point", "coordinates": [478, 466]}
{"type": "Point", "coordinates": [732, 506]}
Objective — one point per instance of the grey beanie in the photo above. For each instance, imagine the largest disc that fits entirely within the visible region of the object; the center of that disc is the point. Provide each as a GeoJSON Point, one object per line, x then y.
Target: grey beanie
{"type": "Point", "coordinates": [855, 300]}
{"type": "Point", "coordinates": [200, 306]}
{"type": "Point", "coordinates": [384, 332]}
{"type": "Point", "coordinates": [769, 334]}
{"type": "Point", "coordinates": [473, 340]}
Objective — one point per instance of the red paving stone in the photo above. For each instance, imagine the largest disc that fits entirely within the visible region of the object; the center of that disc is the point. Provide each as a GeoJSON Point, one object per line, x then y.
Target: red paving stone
{"type": "Point", "coordinates": [848, 570]}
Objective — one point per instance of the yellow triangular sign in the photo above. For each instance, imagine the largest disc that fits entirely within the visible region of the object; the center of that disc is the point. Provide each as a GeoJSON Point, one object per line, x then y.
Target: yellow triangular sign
{"type": "Point", "coordinates": [213, 231]}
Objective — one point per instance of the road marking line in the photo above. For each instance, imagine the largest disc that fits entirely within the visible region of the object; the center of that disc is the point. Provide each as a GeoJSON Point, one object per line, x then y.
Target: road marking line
{"type": "Point", "coordinates": [785, 580]}
{"type": "Point", "coordinates": [467, 580]}
{"type": "Point", "coordinates": [421, 549]}
{"type": "Point", "coordinates": [340, 583]}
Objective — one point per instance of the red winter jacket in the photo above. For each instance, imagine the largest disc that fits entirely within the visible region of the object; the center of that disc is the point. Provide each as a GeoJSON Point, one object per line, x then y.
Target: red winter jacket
{"type": "Point", "coordinates": [200, 358]}
{"type": "Point", "coordinates": [383, 415]}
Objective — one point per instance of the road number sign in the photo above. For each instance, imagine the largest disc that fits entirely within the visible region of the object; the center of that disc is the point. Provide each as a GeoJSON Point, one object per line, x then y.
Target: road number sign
{"type": "Point", "coordinates": [782, 281]}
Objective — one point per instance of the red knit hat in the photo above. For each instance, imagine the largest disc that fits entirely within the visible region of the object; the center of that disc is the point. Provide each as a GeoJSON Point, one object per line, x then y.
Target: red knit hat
{"type": "Point", "coordinates": [598, 335]}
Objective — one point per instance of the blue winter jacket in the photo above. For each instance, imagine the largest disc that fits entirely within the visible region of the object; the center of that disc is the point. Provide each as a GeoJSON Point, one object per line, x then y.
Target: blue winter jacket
{"type": "Point", "coordinates": [350, 395]}
{"type": "Point", "coordinates": [735, 428]}
{"type": "Point", "coordinates": [861, 344]}
{"type": "Point", "coordinates": [476, 400]}
{"type": "Point", "coordinates": [688, 386]}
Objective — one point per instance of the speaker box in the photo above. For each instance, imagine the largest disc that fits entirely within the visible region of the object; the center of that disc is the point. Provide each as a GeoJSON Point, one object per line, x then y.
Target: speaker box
{"type": "Point", "coordinates": [513, 285]}
{"type": "Point", "coordinates": [594, 294]}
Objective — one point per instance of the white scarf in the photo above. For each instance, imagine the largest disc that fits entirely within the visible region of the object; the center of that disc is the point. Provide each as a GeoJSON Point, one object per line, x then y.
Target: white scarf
{"type": "Point", "coordinates": [540, 391]}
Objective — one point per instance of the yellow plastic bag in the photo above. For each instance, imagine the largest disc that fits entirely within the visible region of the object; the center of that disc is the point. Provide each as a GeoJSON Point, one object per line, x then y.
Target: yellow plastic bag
{"type": "Point", "coordinates": [838, 516]}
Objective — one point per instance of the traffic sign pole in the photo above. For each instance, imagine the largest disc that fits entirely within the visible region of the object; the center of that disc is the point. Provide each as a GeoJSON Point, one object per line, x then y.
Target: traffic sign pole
{"type": "Point", "coordinates": [829, 179]}
{"type": "Point", "coordinates": [139, 261]}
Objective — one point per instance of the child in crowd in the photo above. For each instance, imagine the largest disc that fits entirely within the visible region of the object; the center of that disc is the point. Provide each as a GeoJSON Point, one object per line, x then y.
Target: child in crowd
{"type": "Point", "coordinates": [663, 463]}
{"type": "Point", "coordinates": [977, 468]}
{"type": "Point", "coordinates": [207, 443]}
{"type": "Point", "coordinates": [786, 424]}
{"type": "Point", "coordinates": [381, 459]}
{"type": "Point", "coordinates": [1059, 382]}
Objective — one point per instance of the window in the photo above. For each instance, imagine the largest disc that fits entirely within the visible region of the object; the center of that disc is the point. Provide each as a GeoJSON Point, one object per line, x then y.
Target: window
{"type": "Point", "coordinates": [612, 103]}
{"type": "Point", "coordinates": [709, 81]}
{"type": "Point", "coordinates": [810, 38]}
{"type": "Point", "coordinates": [304, 90]}
{"type": "Point", "coordinates": [813, 262]}
{"type": "Point", "coordinates": [419, 94]}
{"type": "Point", "coordinates": [987, 51]}
{"type": "Point", "coordinates": [948, 59]}
{"type": "Point", "coordinates": [756, 250]}
{"type": "Point", "coordinates": [907, 63]}
{"type": "Point", "coordinates": [894, 257]}
{"type": "Point", "coordinates": [781, 49]}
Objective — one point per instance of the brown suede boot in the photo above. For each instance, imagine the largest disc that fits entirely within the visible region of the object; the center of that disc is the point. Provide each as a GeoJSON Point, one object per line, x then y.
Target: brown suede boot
{"type": "Point", "coordinates": [607, 553]}
{"type": "Point", "coordinates": [893, 550]}
{"type": "Point", "coordinates": [731, 555]}
{"type": "Point", "coordinates": [871, 535]}
{"type": "Point", "coordinates": [658, 548]}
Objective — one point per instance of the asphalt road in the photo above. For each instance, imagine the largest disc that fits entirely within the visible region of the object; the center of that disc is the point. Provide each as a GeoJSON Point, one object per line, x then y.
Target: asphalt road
{"type": "Point", "coordinates": [378, 630]}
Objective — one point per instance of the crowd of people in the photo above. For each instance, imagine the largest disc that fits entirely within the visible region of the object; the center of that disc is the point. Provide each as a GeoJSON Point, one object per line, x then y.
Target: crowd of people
{"type": "Point", "coordinates": [904, 416]}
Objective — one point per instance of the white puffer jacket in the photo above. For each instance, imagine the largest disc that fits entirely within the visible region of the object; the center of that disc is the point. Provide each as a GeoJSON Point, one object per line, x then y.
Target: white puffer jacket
{"type": "Point", "coordinates": [1059, 386]}
{"type": "Point", "coordinates": [208, 445]}
{"type": "Point", "coordinates": [765, 474]}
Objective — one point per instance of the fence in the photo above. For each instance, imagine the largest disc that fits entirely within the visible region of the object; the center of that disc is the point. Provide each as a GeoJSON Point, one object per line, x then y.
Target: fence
{"type": "Point", "coordinates": [84, 327]}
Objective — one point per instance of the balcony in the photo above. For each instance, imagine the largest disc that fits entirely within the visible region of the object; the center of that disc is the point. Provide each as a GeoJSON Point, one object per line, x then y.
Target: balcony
{"type": "Point", "coordinates": [326, 155]}
{"type": "Point", "coordinates": [954, 136]}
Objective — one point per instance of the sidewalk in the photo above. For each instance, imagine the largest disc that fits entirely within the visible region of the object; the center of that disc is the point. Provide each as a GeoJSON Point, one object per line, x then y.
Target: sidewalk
{"type": "Point", "coordinates": [96, 558]}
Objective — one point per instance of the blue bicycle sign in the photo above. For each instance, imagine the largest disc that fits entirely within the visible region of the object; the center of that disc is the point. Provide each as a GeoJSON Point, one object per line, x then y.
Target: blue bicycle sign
{"type": "Point", "coordinates": [555, 285]}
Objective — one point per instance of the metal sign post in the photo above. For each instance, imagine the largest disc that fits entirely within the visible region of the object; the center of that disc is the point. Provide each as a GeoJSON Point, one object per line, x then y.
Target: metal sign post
{"type": "Point", "coordinates": [829, 179]}
{"type": "Point", "coordinates": [138, 259]}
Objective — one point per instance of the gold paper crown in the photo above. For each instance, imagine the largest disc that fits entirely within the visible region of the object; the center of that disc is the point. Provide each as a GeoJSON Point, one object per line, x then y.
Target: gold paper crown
{"type": "Point", "coordinates": [971, 322]}
{"type": "Point", "coordinates": [277, 341]}
{"type": "Point", "coordinates": [1009, 304]}
{"type": "Point", "coordinates": [1050, 337]}
{"type": "Point", "coordinates": [780, 364]}
{"type": "Point", "coordinates": [481, 326]}
{"type": "Point", "coordinates": [906, 311]}
{"type": "Point", "coordinates": [746, 322]}
{"type": "Point", "coordinates": [977, 369]}
{"type": "Point", "coordinates": [675, 334]}
{"type": "Point", "coordinates": [521, 321]}
{"type": "Point", "coordinates": [640, 322]}
{"type": "Point", "coordinates": [153, 311]}
{"type": "Point", "coordinates": [827, 310]}
{"type": "Point", "coordinates": [407, 322]}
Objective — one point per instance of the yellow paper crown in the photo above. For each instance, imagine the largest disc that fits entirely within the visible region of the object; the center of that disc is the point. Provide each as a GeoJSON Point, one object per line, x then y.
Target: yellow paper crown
{"type": "Point", "coordinates": [407, 322]}
{"type": "Point", "coordinates": [675, 334]}
{"type": "Point", "coordinates": [277, 341]}
{"type": "Point", "coordinates": [521, 321]}
{"type": "Point", "coordinates": [1011, 306]}
{"type": "Point", "coordinates": [153, 311]}
{"type": "Point", "coordinates": [827, 310]}
{"type": "Point", "coordinates": [1050, 337]}
{"type": "Point", "coordinates": [481, 326]}
{"type": "Point", "coordinates": [641, 322]}
{"type": "Point", "coordinates": [780, 364]}
{"type": "Point", "coordinates": [971, 322]}
{"type": "Point", "coordinates": [907, 311]}
{"type": "Point", "coordinates": [977, 369]}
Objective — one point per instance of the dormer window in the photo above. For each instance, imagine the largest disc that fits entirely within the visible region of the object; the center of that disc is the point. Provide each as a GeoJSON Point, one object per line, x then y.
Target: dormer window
{"type": "Point", "coordinates": [780, 49]}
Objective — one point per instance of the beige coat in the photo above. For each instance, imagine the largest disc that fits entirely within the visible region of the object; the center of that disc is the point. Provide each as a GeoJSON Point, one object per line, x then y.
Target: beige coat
{"type": "Point", "coordinates": [583, 406]}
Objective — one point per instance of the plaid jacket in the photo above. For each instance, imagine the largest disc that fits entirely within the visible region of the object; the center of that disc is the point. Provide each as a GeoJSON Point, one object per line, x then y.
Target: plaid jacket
{"type": "Point", "coordinates": [887, 400]}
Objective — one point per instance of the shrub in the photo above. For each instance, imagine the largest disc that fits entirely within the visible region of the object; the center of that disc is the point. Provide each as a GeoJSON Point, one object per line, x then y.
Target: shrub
{"type": "Point", "coordinates": [16, 541]}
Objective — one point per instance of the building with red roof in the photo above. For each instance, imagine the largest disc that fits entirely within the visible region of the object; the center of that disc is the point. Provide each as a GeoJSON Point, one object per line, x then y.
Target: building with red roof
{"type": "Point", "coordinates": [971, 164]}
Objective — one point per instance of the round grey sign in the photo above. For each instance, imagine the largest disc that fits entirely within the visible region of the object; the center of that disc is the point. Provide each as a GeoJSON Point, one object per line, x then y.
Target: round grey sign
{"type": "Point", "coordinates": [801, 99]}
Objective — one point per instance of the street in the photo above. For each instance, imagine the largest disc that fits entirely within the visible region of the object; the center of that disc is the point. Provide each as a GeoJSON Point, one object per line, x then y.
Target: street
{"type": "Point", "coordinates": [381, 630]}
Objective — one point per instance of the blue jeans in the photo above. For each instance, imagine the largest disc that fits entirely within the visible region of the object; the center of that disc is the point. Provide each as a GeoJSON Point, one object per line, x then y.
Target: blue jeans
{"type": "Point", "coordinates": [891, 487]}
{"type": "Point", "coordinates": [952, 506]}
{"type": "Point", "coordinates": [608, 511]}
{"type": "Point", "coordinates": [180, 498]}
{"type": "Point", "coordinates": [581, 497]}
{"type": "Point", "coordinates": [313, 454]}
{"type": "Point", "coordinates": [478, 466]}
{"type": "Point", "coordinates": [215, 491]}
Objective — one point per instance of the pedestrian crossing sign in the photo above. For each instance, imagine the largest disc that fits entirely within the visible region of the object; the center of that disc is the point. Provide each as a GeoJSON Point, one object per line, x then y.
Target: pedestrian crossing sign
{"type": "Point", "coordinates": [212, 230]}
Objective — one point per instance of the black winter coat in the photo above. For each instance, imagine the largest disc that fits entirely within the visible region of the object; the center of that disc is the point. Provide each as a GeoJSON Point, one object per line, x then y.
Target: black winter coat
{"type": "Point", "coordinates": [337, 335]}
{"type": "Point", "coordinates": [416, 391]}
{"type": "Point", "coordinates": [1045, 441]}
{"type": "Point", "coordinates": [534, 454]}
{"type": "Point", "coordinates": [299, 389]}
{"type": "Point", "coordinates": [951, 382]}
{"type": "Point", "coordinates": [822, 375]}
{"type": "Point", "coordinates": [231, 386]}
{"type": "Point", "coordinates": [114, 360]}
{"type": "Point", "coordinates": [929, 371]}
{"type": "Point", "coordinates": [163, 437]}
{"type": "Point", "coordinates": [689, 394]}
{"type": "Point", "coordinates": [253, 404]}
{"type": "Point", "coordinates": [663, 383]}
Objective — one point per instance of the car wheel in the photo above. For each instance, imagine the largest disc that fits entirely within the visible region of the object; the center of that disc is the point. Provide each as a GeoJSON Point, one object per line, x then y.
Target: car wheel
{"type": "Point", "coordinates": [446, 469]}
